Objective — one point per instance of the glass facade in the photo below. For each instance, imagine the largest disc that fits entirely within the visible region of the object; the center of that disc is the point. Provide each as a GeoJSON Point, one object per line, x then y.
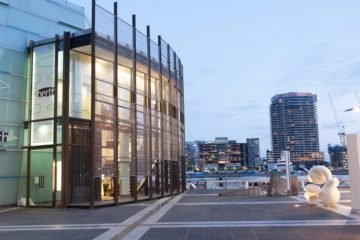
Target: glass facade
{"type": "Point", "coordinates": [20, 22]}
{"type": "Point", "coordinates": [106, 118]}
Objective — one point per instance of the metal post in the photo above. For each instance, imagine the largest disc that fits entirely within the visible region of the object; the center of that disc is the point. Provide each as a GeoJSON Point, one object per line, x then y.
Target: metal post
{"type": "Point", "coordinates": [162, 120]}
{"type": "Point", "coordinates": [116, 133]}
{"type": "Point", "coordinates": [149, 107]}
{"type": "Point", "coordinates": [170, 113]}
{"type": "Point", "coordinates": [183, 172]}
{"type": "Point", "coordinates": [183, 179]}
{"type": "Point", "coordinates": [28, 157]}
{"type": "Point", "coordinates": [93, 77]}
{"type": "Point", "coordinates": [134, 138]}
{"type": "Point", "coordinates": [177, 171]}
{"type": "Point", "coordinates": [57, 41]}
{"type": "Point", "coordinates": [65, 119]}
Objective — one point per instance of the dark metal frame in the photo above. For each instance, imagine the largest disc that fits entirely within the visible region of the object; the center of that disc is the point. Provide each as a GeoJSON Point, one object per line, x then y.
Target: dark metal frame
{"type": "Point", "coordinates": [133, 179]}
{"type": "Point", "coordinates": [57, 43]}
{"type": "Point", "coordinates": [116, 135]}
{"type": "Point", "coordinates": [93, 77]}
{"type": "Point", "coordinates": [28, 159]}
{"type": "Point", "coordinates": [170, 109]}
{"type": "Point", "coordinates": [65, 119]}
{"type": "Point", "coordinates": [78, 40]}
{"type": "Point", "coordinates": [149, 103]}
{"type": "Point", "coordinates": [162, 179]}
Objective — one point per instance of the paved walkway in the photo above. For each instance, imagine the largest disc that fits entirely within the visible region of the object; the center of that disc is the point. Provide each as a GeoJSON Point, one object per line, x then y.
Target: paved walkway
{"type": "Point", "coordinates": [193, 215]}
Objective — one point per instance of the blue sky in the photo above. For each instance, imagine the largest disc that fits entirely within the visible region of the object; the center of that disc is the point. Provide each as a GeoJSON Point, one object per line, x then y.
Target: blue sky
{"type": "Point", "coordinates": [237, 54]}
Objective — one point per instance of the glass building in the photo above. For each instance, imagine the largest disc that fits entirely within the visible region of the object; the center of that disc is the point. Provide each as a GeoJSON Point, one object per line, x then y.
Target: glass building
{"type": "Point", "coordinates": [294, 128]}
{"type": "Point", "coordinates": [253, 153]}
{"type": "Point", "coordinates": [20, 22]}
{"type": "Point", "coordinates": [104, 119]}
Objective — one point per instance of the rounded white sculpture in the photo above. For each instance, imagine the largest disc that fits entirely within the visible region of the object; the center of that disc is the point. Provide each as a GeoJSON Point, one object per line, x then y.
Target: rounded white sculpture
{"type": "Point", "coordinates": [319, 174]}
{"type": "Point", "coordinates": [311, 193]}
{"type": "Point", "coordinates": [328, 194]}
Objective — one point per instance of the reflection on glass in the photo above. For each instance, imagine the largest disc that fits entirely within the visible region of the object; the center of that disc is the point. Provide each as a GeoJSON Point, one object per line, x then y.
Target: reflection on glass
{"type": "Point", "coordinates": [80, 86]}
{"type": "Point", "coordinates": [43, 82]}
{"type": "Point", "coordinates": [42, 133]}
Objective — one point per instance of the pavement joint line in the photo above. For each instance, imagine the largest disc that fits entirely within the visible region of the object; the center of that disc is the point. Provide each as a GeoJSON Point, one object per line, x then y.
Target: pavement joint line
{"type": "Point", "coordinates": [117, 231]}
{"type": "Point", "coordinates": [51, 229]}
{"type": "Point", "coordinates": [199, 194]}
{"type": "Point", "coordinates": [156, 217]}
{"type": "Point", "coordinates": [134, 221]}
{"type": "Point", "coordinates": [9, 209]}
{"type": "Point", "coordinates": [139, 215]}
{"type": "Point", "coordinates": [242, 203]}
{"type": "Point", "coordinates": [254, 223]}
{"type": "Point", "coordinates": [102, 225]}
{"type": "Point", "coordinates": [109, 234]}
{"type": "Point", "coordinates": [138, 231]}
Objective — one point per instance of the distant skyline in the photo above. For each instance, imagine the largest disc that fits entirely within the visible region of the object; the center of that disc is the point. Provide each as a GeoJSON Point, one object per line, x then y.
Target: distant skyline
{"type": "Point", "coordinates": [238, 54]}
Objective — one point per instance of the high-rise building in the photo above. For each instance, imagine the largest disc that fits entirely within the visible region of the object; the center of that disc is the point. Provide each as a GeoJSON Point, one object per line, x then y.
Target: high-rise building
{"type": "Point", "coordinates": [90, 115]}
{"type": "Point", "coordinates": [338, 157]}
{"type": "Point", "coordinates": [294, 127]}
{"type": "Point", "coordinates": [222, 153]}
{"type": "Point", "coordinates": [253, 153]}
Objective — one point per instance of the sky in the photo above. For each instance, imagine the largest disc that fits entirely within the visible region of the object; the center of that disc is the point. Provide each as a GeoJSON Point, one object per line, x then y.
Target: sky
{"type": "Point", "coordinates": [237, 54]}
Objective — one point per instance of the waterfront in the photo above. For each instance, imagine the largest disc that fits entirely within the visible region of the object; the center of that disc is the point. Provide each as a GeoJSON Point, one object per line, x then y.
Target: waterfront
{"type": "Point", "coordinates": [242, 180]}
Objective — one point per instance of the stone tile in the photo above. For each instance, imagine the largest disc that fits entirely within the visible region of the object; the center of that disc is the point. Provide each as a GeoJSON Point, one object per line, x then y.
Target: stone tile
{"type": "Point", "coordinates": [268, 212]}
{"type": "Point", "coordinates": [32, 216]}
{"type": "Point", "coordinates": [257, 233]}
{"type": "Point", "coordinates": [199, 233]}
{"type": "Point", "coordinates": [166, 233]}
{"type": "Point", "coordinates": [198, 199]}
{"type": "Point", "coordinates": [55, 235]}
{"type": "Point", "coordinates": [205, 191]}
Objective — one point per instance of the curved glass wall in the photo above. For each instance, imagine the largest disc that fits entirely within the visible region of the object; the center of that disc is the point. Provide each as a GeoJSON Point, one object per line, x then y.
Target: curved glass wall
{"type": "Point", "coordinates": [109, 126]}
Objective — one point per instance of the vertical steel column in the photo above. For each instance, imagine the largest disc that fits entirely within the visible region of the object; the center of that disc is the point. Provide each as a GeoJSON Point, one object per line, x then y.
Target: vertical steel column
{"type": "Point", "coordinates": [93, 77]}
{"type": "Point", "coordinates": [116, 134]}
{"type": "Point", "coordinates": [171, 123]}
{"type": "Point", "coordinates": [57, 42]}
{"type": "Point", "coordinates": [183, 163]}
{"type": "Point", "coordinates": [133, 179]}
{"type": "Point", "coordinates": [183, 174]}
{"type": "Point", "coordinates": [162, 180]}
{"type": "Point", "coordinates": [149, 106]}
{"type": "Point", "coordinates": [65, 120]}
{"type": "Point", "coordinates": [177, 172]}
{"type": "Point", "coordinates": [28, 157]}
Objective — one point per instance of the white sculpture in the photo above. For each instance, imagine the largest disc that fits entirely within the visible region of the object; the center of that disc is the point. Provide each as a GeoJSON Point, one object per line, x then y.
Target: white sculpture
{"type": "Point", "coordinates": [328, 194]}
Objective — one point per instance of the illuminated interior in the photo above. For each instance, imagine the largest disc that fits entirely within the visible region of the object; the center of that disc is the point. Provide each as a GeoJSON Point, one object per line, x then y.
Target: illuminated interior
{"type": "Point", "coordinates": [131, 147]}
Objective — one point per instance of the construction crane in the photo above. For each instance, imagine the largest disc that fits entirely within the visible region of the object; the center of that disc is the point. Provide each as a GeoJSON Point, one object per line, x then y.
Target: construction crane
{"type": "Point", "coordinates": [340, 124]}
